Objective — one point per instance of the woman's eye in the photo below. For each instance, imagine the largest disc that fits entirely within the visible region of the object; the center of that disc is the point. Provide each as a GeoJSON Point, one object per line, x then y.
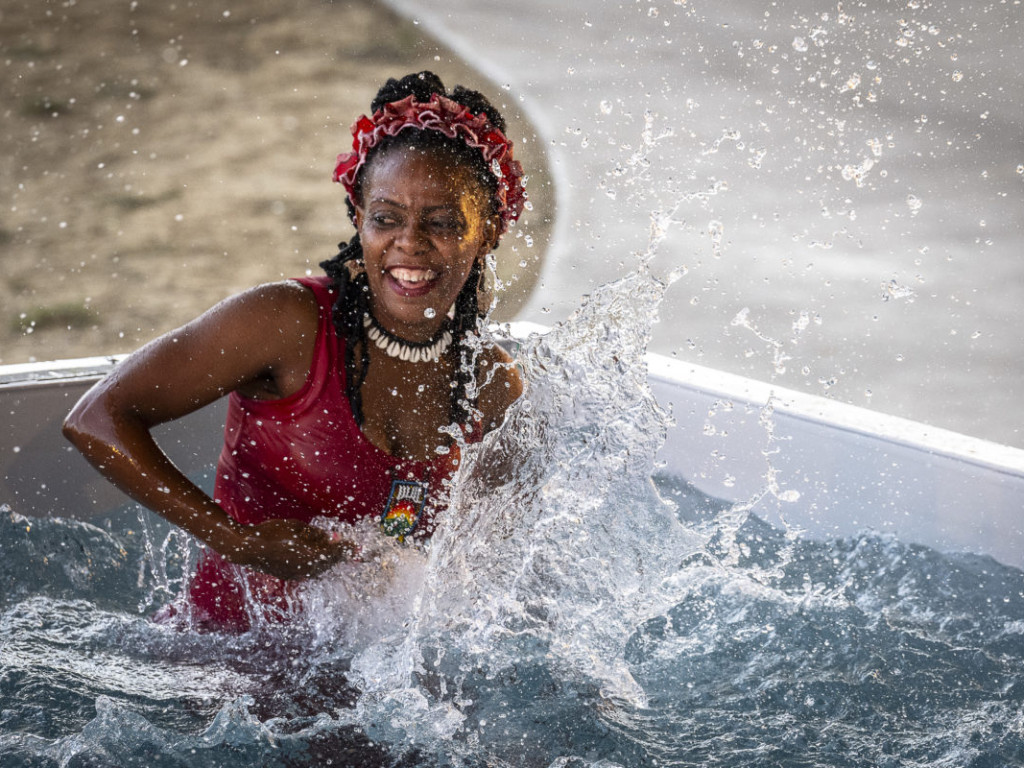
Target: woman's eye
{"type": "Point", "coordinates": [446, 225]}
{"type": "Point", "coordinates": [383, 219]}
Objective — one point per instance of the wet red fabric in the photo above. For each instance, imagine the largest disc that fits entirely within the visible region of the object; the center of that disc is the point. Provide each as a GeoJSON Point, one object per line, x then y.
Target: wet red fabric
{"type": "Point", "coordinates": [302, 457]}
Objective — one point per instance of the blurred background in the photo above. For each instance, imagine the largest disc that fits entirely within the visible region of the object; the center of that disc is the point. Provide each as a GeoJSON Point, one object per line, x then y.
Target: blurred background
{"type": "Point", "coordinates": [846, 181]}
{"type": "Point", "coordinates": [159, 157]}
{"type": "Point", "coordinates": [843, 184]}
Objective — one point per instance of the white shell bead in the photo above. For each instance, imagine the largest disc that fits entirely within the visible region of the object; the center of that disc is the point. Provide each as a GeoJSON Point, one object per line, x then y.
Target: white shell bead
{"type": "Point", "coordinates": [397, 348]}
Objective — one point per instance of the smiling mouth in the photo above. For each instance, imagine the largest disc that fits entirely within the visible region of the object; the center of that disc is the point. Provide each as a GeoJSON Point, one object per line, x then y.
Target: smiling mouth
{"type": "Point", "coordinates": [412, 281]}
{"type": "Point", "coordinates": [406, 275]}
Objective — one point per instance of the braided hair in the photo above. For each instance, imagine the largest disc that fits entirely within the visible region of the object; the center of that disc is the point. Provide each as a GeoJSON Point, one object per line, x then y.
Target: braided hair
{"type": "Point", "coordinates": [351, 284]}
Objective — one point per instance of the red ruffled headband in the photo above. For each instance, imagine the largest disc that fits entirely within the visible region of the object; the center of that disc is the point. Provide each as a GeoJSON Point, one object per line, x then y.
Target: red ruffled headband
{"type": "Point", "coordinates": [453, 120]}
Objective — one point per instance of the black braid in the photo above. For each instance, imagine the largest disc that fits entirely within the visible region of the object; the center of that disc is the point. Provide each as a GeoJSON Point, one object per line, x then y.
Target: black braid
{"type": "Point", "coordinates": [353, 292]}
{"type": "Point", "coordinates": [467, 315]}
{"type": "Point", "coordinates": [348, 310]}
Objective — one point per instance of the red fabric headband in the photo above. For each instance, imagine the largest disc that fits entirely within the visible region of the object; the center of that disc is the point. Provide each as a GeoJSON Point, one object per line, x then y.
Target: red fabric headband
{"type": "Point", "coordinates": [453, 120]}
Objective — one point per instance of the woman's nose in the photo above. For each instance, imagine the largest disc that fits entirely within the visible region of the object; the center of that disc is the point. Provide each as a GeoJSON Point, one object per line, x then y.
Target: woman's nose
{"type": "Point", "coordinates": [411, 236]}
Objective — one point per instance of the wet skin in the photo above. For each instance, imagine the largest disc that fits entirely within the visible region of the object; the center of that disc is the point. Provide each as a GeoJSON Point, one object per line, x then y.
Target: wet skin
{"type": "Point", "coordinates": [422, 227]}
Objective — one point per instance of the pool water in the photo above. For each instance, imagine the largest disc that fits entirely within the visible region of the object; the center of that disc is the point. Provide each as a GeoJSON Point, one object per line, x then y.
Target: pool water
{"type": "Point", "coordinates": [570, 611]}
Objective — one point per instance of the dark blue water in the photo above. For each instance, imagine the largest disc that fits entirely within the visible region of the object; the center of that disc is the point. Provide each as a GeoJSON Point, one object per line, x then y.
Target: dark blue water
{"type": "Point", "coordinates": [570, 612]}
{"type": "Point", "coordinates": [858, 652]}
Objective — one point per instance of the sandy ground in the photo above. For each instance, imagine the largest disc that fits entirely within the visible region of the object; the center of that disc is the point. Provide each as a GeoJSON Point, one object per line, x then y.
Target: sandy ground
{"type": "Point", "coordinates": [159, 156]}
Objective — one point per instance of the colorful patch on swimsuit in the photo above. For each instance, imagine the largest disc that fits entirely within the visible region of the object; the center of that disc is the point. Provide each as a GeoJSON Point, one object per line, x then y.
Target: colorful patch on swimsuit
{"type": "Point", "coordinates": [404, 507]}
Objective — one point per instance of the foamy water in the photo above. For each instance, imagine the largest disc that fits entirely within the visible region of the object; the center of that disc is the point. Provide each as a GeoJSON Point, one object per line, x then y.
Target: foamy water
{"type": "Point", "coordinates": [849, 181]}
{"type": "Point", "coordinates": [571, 610]}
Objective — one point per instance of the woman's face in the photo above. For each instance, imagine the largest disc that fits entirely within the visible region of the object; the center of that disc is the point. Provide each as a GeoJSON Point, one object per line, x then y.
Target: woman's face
{"type": "Point", "coordinates": [422, 223]}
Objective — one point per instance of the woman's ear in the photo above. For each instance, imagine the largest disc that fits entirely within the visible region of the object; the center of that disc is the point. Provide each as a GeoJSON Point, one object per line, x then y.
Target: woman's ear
{"type": "Point", "coordinates": [357, 217]}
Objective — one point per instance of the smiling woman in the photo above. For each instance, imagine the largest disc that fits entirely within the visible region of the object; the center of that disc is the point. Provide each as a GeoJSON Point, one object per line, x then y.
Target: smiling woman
{"type": "Point", "coordinates": [423, 231]}
{"type": "Point", "coordinates": [343, 388]}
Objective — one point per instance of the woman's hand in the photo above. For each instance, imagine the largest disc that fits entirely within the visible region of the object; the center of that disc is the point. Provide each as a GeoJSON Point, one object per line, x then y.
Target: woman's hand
{"type": "Point", "coordinates": [289, 549]}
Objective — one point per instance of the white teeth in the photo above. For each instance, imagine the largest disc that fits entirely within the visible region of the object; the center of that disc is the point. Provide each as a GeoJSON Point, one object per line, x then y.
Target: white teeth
{"type": "Point", "coordinates": [412, 275]}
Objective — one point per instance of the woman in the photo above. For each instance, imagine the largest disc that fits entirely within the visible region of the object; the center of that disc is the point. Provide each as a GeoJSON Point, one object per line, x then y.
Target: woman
{"type": "Point", "coordinates": [340, 386]}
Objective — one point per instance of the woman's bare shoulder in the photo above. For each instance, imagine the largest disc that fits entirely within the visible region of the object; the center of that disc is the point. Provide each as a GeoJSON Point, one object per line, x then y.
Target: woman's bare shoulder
{"type": "Point", "coordinates": [262, 334]}
{"type": "Point", "coordinates": [283, 300]}
{"type": "Point", "coordinates": [271, 315]}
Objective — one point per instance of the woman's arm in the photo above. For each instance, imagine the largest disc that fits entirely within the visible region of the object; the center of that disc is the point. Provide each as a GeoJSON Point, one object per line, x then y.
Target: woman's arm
{"type": "Point", "coordinates": [259, 342]}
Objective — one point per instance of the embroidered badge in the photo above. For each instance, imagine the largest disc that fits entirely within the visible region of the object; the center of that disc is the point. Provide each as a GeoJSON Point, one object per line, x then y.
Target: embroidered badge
{"type": "Point", "coordinates": [404, 507]}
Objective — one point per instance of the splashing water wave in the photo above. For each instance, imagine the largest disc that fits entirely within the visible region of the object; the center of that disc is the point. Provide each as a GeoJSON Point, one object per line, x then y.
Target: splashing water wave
{"type": "Point", "coordinates": [570, 612]}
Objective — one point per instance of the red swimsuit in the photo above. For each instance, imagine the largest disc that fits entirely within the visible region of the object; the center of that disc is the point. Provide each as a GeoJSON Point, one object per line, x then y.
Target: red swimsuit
{"type": "Point", "coordinates": [304, 456]}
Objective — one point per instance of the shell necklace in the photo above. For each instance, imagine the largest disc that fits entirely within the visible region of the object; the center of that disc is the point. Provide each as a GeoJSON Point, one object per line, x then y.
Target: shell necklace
{"type": "Point", "coordinates": [393, 346]}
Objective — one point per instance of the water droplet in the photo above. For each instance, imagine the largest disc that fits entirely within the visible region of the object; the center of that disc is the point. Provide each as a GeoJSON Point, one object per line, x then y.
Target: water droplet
{"type": "Point", "coordinates": [799, 44]}
{"type": "Point", "coordinates": [430, 313]}
{"type": "Point", "coordinates": [606, 107]}
{"type": "Point", "coordinates": [717, 230]}
{"type": "Point", "coordinates": [856, 173]}
{"type": "Point", "coordinates": [893, 290]}
{"type": "Point", "coordinates": [957, 76]}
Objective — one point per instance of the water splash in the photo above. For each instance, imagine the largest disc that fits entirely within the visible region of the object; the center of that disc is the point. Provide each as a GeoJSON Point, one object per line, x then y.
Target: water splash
{"type": "Point", "coordinates": [566, 615]}
{"type": "Point", "coordinates": [543, 565]}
